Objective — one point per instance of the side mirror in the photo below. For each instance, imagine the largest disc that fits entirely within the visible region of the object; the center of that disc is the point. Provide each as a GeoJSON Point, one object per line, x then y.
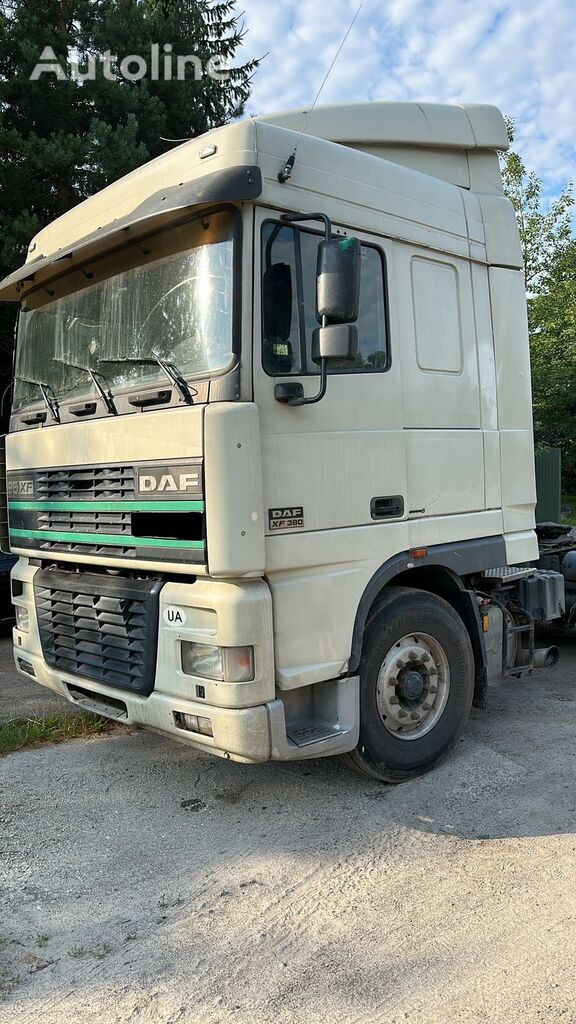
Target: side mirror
{"type": "Point", "coordinates": [338, 280]}
{"type": "Point", "coordinates": [337, 307]}
{"type": "Point", "coordinates": [337, 341]}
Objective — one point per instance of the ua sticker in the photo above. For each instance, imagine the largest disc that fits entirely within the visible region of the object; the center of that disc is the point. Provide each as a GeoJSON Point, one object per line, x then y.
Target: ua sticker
{"type": "Point", "coordinates": [174, 616]}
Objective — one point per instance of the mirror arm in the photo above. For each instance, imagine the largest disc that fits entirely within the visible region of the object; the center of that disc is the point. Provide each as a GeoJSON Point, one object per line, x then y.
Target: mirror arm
{"type": "Point", "coordinates": [292, 392]}
{"type": "Point", "coordinates": [290, 217]}
{"type": "Point", "coordinates": [323, 380]}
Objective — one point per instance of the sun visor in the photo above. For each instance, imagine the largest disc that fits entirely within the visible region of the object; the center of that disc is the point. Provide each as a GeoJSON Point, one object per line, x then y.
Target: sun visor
{"type": "Point", "coordinates": [233, 184]}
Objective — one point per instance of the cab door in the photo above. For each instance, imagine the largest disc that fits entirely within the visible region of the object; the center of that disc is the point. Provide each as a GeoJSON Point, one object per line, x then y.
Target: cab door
{"type": "Point", "coordinates": [338, 464]}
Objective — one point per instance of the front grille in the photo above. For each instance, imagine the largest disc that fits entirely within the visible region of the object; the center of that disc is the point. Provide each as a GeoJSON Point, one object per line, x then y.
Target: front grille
{"type": "Point", "coordinates": [88, 483]}
{"type": "Point", "coordinates": [99, 627]}
{"type": "Point", "coordinates": [99, 511]}
{"type": "Point", "coordinates": [86, 522]}
{"type": "Point", "coordinates": [102, 550]}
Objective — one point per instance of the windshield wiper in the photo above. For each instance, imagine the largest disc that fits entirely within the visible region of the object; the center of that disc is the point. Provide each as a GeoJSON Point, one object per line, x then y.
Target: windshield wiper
{"type": "Point", "coordinates": [169, 370]}
{"type": "Point", "coordinates": [47, 392]}
{"type": "Point", "coordinates": [106, 396]}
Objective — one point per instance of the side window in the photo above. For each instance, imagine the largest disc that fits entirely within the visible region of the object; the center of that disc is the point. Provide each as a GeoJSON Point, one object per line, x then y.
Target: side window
{"type": "Point", "coordinates": [289, 304]}
{"type": "Point", "coordinates": [281, 328]}
{"type": "Point", "coordinates": [436, 316]}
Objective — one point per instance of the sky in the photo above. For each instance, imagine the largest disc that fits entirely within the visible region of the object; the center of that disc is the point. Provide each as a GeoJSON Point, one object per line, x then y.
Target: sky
{"type": "Point", "coordinates": [519, 55]}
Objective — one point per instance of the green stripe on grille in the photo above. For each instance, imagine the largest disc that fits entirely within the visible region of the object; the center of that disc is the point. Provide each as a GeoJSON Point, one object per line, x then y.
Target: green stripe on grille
{"type": "Point", "coordinates": [126, 540]}
{"type": "Point", "coordinates": [107, 506]}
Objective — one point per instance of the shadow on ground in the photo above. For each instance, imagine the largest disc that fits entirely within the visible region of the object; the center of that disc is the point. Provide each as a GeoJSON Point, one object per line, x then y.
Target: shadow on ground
{"type": "Point", "coordinates": [174, 886]}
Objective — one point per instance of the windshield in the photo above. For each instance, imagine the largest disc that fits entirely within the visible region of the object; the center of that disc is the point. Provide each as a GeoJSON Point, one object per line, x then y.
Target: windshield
{"type": "Point", "coordinates": [176, 305]}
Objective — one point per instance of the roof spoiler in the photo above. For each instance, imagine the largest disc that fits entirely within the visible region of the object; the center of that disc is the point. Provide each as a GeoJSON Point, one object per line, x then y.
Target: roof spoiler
{"type": "Point", "coordinates": [159, 210]}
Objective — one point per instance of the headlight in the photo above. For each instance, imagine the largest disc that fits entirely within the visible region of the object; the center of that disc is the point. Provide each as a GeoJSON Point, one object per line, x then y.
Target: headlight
{"type": "Point", "coordinates": [228, 664]}
{"type": "Point", "coordinates": [22, 618]}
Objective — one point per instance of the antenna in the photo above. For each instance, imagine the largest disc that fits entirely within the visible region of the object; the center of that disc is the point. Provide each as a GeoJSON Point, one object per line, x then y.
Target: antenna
{"type": "Point", "coordinates": [285, 174]}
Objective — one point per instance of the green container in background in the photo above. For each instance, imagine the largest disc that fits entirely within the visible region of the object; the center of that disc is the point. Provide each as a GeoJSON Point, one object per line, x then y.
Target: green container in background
{"type": "Point", "coordinates": [548, 484]}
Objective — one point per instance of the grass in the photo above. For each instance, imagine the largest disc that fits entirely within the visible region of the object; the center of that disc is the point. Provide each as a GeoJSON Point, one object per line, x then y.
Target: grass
{"type": "Point", "coordinates": [167, 901]}
{"type": "Point", "coordinates": [25, 732]}
{"type": "Point", "coordinates": [98, 952]}
{"type": "Point", "coordinates": [568, 501]}
{"type": "Point", "coordinates": [8, 983]}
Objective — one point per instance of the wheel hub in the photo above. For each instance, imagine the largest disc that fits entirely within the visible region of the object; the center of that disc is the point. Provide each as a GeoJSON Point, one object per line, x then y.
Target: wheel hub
{"type": "Point", "coordinates": [413, 686]}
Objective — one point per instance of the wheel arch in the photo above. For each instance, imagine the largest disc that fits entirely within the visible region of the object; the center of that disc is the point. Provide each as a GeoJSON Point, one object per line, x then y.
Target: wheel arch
{"type": "Point", "coordinates": [440, 572]}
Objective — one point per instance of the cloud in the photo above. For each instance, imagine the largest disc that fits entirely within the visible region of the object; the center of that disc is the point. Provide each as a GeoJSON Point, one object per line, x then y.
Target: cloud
{"type": "Point", "coordinates": [520, 55]}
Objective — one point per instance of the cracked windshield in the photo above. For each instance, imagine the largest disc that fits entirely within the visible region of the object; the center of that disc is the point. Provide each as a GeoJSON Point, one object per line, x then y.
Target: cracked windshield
{"type": "Point", "coordinates": [176, 305]}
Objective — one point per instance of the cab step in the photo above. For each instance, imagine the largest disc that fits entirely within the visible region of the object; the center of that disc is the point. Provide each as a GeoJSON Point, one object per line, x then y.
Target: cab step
{"type": "Point", "coordinates": [294, 739]}
{"type": "Point", "coordinates": [311, 732]}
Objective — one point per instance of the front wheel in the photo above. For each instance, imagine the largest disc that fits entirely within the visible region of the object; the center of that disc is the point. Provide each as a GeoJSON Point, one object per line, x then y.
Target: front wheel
{"type": "Point", "coordinates": [416, 685]}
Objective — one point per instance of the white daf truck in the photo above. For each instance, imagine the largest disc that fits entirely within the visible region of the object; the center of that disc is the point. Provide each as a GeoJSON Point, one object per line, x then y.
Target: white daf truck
{"type": "Point", "coordinates": [270, 462]}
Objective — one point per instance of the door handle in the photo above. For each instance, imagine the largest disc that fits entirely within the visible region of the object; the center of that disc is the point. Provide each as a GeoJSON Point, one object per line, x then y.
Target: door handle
{"type": "Point", "coordinates": [387, 507]}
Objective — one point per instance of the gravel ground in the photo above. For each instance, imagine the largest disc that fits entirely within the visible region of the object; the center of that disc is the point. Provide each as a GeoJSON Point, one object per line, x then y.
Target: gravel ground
{"type": "Point", "coordinates": [144, 882]}
{"type": "Point", "coordinates": [21, 697]}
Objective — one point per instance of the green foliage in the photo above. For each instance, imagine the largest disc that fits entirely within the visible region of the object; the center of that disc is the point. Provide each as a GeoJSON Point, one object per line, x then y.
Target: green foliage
{"type": "Point", "coordinates": [568, 502]}
{"type": "Point", "coordinates": [61, 141]}
{"type": "Point", "coordinates": [545, 233]}
{"type": "Point", "coordinates": [25, 732]}
{"type": "Point", "coordinates": [552, 321]}
{"type": "Point", "coordinates": [549, 251]}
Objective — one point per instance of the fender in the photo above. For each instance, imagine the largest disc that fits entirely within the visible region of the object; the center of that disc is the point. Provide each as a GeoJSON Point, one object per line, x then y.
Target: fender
{"type": "Point", "coordinates": [459, 559]}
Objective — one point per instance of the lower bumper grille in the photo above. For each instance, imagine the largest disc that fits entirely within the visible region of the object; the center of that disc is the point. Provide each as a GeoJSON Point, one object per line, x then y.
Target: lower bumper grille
{"type": "Point", "coordinates": [99, 627]}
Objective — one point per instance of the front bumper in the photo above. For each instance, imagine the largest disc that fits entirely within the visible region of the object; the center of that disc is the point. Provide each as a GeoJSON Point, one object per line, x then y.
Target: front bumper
{"type": "Point", "coordinates": [250, 735]}
{"type": "Point", "coordinates": [241, 734]}
{"type": "Point", "coordinates": [219, 612]}
{"type": "Point", "coordinates": [248, 723]}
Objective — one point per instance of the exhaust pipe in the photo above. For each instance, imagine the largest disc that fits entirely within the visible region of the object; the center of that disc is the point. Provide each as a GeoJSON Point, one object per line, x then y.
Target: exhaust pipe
{"type": "Point", "coordinates": [546, 657]}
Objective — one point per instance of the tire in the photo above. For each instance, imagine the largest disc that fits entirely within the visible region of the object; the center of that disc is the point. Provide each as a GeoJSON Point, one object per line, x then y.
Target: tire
{"type": "Point", "coordinates": [416, 686]}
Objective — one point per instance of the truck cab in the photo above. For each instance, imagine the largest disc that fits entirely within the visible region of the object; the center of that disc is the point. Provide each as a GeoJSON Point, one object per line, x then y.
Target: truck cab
{"type": "Point", "coordinates": [270, 464]}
